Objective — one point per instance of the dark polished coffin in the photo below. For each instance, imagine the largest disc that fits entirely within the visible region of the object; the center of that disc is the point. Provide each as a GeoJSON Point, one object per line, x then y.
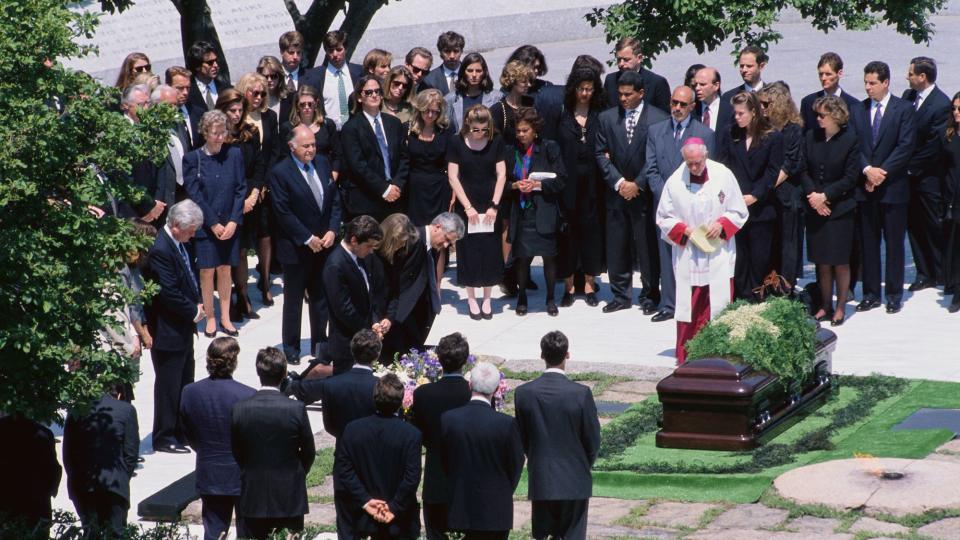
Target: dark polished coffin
{"type": "Point", "coordinates": [719, 404]}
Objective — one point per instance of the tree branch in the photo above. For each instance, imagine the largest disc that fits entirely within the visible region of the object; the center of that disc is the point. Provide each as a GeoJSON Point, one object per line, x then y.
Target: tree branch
{"type": "Point", "coordinates": [294, 12]}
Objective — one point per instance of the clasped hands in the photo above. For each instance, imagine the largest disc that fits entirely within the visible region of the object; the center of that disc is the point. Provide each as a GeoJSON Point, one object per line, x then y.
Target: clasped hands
{"type": "Point", "coordinates": [818, 201]}
{"type": "Point", "coordinates": [628, 189]}
{"type": "Point", "coordinates": [393, 193]}
{"type": "Point", "coordinates": [224, 232]}
{"type": "Point", "coordinates": [382, 327]}
{"type": "Point", "coordinates": [379, 510]}
{"type": "Point", "coordinates": [875, 177]}
{"type": "Point", "coordinates": [473, 216]}
{"type": "Point", "coordinates": [526, 185]}
{"type": "Point", "coordinates": [316, 245]}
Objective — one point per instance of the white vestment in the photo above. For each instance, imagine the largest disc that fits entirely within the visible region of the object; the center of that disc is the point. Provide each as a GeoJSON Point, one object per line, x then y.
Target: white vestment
{"type": "Point", "coordinates": [692, 205]}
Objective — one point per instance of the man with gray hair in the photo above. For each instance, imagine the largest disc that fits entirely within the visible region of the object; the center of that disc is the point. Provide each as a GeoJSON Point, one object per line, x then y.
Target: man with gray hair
{"type": "Point", "coordinates": [134, 98]}
{"type": "Point", "coordinates": [483, 459]}
{"type": "Point", "coordinates": [160, 182]}
{"type": "Point", "coordinates": [172, 316]}
{"type": "Point", "coordinates": [700, 211]}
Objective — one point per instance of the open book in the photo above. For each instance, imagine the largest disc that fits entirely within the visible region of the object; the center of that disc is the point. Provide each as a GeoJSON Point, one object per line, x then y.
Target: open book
{"type": "Point", "coordinates": [707, 245]}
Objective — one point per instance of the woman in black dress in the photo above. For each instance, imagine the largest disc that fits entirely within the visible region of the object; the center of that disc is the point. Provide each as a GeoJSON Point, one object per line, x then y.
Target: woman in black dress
{"type": "Point", "coordinates": [214, 178]}
{"type": "Point", "coordinates": [308, 110]}
{"type": "Point", "coordinates": [428, 189]}
{"type": "Point", "coordinates": [581, 247]}
{"type": "Point", "coordinates": [246, 137]}
{"type": "Point", "coordinates": [832, 168]}
{"type": "Point", "coordinates": [535, 209]}
{"type": "Point", "coordinates": [272, 71]}
{"type": "Point", "coordinates": [951, 165]}
{"type": "Point", "coordinates": [474, 87]}
{"type": "Point", "coordinates": [754, 153]}
{"type": "Point", "coordinates": [477, 174]}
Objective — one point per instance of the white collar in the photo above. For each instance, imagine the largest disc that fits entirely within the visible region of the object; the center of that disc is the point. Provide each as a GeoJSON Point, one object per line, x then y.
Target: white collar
{"type": "Point", "coordinates": [272, 388]}
{"type": "Point", "coordinates": [346, 247]}
{"type": "Point", "coordinates": [295, 74]}
{"type": "Point", "coordinates": [334, 70]}
{"type": "Point", "coordinates": [555, 370]}
{"type": "Point", "coordinates": [447, 73]}
{"type": "Point", "coordinates": [639, 110]}
{"type": "Point", "coordinates": [361, 366]}
{"type": "Point", "coordinates": [883, 103]}
{"type": "Point", "coordinates": [481, 399]}
{"type": "Point", "coordinates": [926, 92]}
{"type": "Point", "coordinates": [748, 88]}
{"type": "Point", "coordinates": [166, 229]}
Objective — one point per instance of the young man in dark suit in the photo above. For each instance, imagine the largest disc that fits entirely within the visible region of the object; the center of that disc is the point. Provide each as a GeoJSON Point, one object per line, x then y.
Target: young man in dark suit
{"type": "Point", "coordinates": [712, 111]}
{"type": "Point", "coordinates": [751, 62]}
{"type": "Point", "coordinates": [172, 317]}
{"type": "Point", "coordinates": [483, 459]}
{"type": "Point", "coordinates": [99, 455]}
{"type": "Point", "coordinates": [887, 138]}
{"type": "Point", "coordinates": [560, 432]}
{"type": "Point", "coordinates": [306, 205]}
{"type": "Point", "coordinates": [932, 112]}
{"type": "Point", "coordinates": [272, 442]}
{"type": "Point", "coordinates": [335, 78]}
{"type": "Point", "coordinates": [829, 71]}
{"type": "Point", "coordinates": [630, 58]}
{"type": "Point", "coordinates": [419, 60]}
{"type": "Point", "coordinates": [377, 464]}
{"type": "Point", "coordinates": [350, 287]}
{"type": "Point", "coordinates": [375, 156]}
{"type": "Point", "coordinates": [203, 63]}
{"type": "Point", "coordinates": [621, 155]}
{"type": "Point", "coordinates": [28, 460]}
{"type": "Point", "coordinates": [430, 401]}
{"type": "Point", "coordinates": [444, 77]}
{"type": "Point", "coordinates": [663, 158]}
{"type": "Point", "coordinates": [205, 410]}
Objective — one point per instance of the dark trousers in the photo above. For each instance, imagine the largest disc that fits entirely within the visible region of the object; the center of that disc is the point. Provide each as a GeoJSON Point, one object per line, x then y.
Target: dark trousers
{"type": "Point", "coordinates": [486, 535]}
{"type": "Point", "coordinates": [631, 244]}
{"type": "Point", "coordinates": [890, 221]}
{"type": "Point", "coordinates": [925, 227]}
{"type": "Point", "coordinates": [565, 520]}
{"type": "Point", "coordinates": [411, 332]}
{"type": "Point", "coordinates": [346, 514]}
{"type": "Point", "coordinates": [173, 370]}
{"type": "Point", "coordinates": [789, 244]}
{"type": "Point", "coordinates": [261, 528]}
{"type": "Point", "coordinates": [754, 245]}
{"type": "Point", "coordinates": [216, 511]}
{"type": "Point", "coordinates": [435, 520]}
{"type": "Point", "coordinates": [668, 283]}
{"type": "Point", "coordinates": [102, 513]}
{"type": "Point", "coordinates": [297, 278]}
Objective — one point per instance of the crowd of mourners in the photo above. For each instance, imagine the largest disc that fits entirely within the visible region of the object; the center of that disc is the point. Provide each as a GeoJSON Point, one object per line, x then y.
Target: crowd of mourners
{"type": "Point", "coordinates": [358, 183]}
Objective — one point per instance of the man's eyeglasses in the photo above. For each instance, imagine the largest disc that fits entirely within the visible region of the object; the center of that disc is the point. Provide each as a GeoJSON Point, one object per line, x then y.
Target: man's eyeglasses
{"type": "Point", "coordinates": [678, 103]}
{"type": "Point", "coordinates": [372, 92]}
{"type": "Point", "coordinates": [479, 130]}
{"type": "Point", "coordinates": [417, 71]}
{"type": "Point", "coordinates": [212, 62]}
{"type": "Point", "coordinates": [142, 69]}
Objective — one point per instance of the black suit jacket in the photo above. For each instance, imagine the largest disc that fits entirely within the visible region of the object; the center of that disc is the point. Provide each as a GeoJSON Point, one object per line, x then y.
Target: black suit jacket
{"type": "Point", "coordinates": [930, 121]}
{"type": "Point", "coordinates": [430, 401]}
{"type": "Point", "coordinates": [408, 278]}
{"type": "Point", "coordinates": [379, 457]}
{"type": "Point", "coordinates": [315, 76]}
{"type": "Point", "coordinates": [435, 79]}
{"type": "Point", "coordinates": [656, 91]}
{"type": "Point", "coordinates": [271, 138]}
{"type": "Point", "coordinates": [350, 303]}
{"type": "Point", "coordinates": [724, 117]}
{"type": "Point", "coordinates": [756, 169]}
{"type": "Point", "coordinates": [296, 211]}
{"type": "Point", "coordinates": [547, 202]}
{"type": "Point", "coordinates": [483, 459]}
{"type": "Point", "coordinates": [362, 176]}
{"type": "Point", "coordinates": [345, 397]}
{"type": "Point", "coordinates": [171, 312]}
{"type": "Point", "coordinates": [272, 443]}
{"type": "Point", "coordinates": [832, 168]}
{"type": "Point", "coordinates": [29, 463]}
{"type": "Point", "coordinates": [100, 449]}
{"type": "Point", "coordinates": [196, 105]}
{"type": "Point", "coordinates": [808, 114]}
{"type": "Point", "coordinates": [205, 408]}
{"type": "Point", "coordinates": [891, 152]}
{"type": "Point", "coordinates": [625, 160]}
{"type": "Point", "coordinates": [560, 432]}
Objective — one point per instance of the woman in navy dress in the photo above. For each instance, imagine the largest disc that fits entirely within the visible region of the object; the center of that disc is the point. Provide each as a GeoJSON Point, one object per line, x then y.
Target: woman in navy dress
{"type": "Point", "coordinates": [215, 179]}
{"type": "Point", "coordinates": [428, 190]}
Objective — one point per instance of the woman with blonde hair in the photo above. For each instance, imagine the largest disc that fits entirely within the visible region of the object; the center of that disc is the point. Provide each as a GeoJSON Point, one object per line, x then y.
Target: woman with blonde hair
{"type": "Point", "coordinates": [398, 93]}
{"type": "Point", "coordinates": [308, 110]}
{"type": "Point", "coordinates": [428, 190]}
{"type": "Point", "coordinates": [377, 62]}
{"type": "Point", "coordinates": [134, 64]}
{"type": "Point", "coordinates": [272, 71]}
{"type": "Point", "coordinates": [781, 111]}
{"type": "Point", "coordinates": [515, 81]}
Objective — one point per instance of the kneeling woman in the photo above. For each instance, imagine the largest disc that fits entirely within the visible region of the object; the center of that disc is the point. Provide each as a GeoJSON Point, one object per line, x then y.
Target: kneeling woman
{"type": "Point", "coordinates": [535, 210]}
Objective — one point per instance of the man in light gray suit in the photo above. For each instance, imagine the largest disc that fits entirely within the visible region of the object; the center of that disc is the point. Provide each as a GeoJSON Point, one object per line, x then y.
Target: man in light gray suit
{"type": "Point", "coordinates": [663, 157]}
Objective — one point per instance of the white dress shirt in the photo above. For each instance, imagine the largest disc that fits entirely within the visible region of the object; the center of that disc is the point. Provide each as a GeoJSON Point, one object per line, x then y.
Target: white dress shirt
{"type": "Point", "coordinates": [331, 92]}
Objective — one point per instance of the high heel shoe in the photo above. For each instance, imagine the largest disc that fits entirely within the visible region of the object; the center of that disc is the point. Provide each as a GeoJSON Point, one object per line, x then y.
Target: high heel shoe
{"type": "Point", "coordinates": [232, 333]}
{"type": "Point", "coordinates": [521, 310]}
{"type": "Point", "coordinates": [246, 309]}
{"type": "Point", "coordinates": [210, 335]}
{"type": "Point", "coordinates": [552, 309]}
{"type": "Point", "coordinates": [837, 322]}
{"type": "Point", "coordinates": [475, 316]}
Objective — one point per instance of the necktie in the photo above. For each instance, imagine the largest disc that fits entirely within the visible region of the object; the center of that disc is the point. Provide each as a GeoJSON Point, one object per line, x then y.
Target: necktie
{"type": "Point", "coordinates": [384, 151]}
{"type": "Point", "coordinates": [877, 118]}
{"type": "Point", "coordinates": [342, 91]}
{"type": "Point", "coordinates": [677, 132]}
{"type": "Point", "coordinates": [706, 115]}
{"type": "Point", "coordinates": [631, 124]}
{"type": "Point", "coordinates": [188, 142]}
{"type": "Point", "coordinates": [211, 104]}
{"type": "Point", "coordinates": [432, 281]}
{"type": "Point", "coordinates": [452, 82]}
{"type": "Point", "coordinates": [291, 86]}
{"type": "Point", "coordinates": [186, 262]}
{"type": "Point", "coordinates": [313, 182]}
{"type": "Point", "coordinates": [363, 271]}
{"type": "Point", "coordinates": [917, 102]}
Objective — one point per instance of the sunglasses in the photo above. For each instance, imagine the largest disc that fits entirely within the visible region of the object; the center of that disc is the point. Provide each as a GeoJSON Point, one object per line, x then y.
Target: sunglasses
{"type": "Point", "coordinates": [258, 94]}
{"type": "Point", "coordinates": [764, 104]}
{"type": "Point", "coordinates": [821, 115]}
{"type": "Point", "coordinates": [142, 69]}
{"type": "Point", "coordinates": [307, 105]}
{"type": "Point", "coordinates": [479, 130]}
{"type": "Point", "coordinates": [678, 103]}
{"type": "Point", "coordinates": [210, 62]}
{"type": "Point", "coordinates": [271, 77]}
{"type": "Point", "coordinates": [956, 107]}
{"type": "Point", "coordinates": [417, 71]}
{"type": "Point", "coordinates": [373, 92]}
{"type": "Point", "coordinates": [399, 84]}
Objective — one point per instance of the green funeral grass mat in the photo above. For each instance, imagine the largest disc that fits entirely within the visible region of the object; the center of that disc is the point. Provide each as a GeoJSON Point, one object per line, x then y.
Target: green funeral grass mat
{"type": "Point", "coordinates": [649, 472]}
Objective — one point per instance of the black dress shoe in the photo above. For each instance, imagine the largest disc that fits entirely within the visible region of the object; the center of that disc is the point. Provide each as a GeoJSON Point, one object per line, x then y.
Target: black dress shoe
{"type": "Point", "coordinates": [867, 305]}
{"type": "Point", "coordinates": [954, 304]}
{"type": "Point", "coordinates": [894, 307]}
{"type": "Point", "coordinates": [614, 306]}
{"type": "Point", "coordinates": [649, 309]}
{"type": "Point", "coordinates": [521, 310]}
{"type": "Point", "coordinates": [592, 300]}
{"type": "Point", "coordinates": [140, 459]}
{"type": "Point", "coordinates": [921, 285]}
{"type": "Point", "coordinates": [210, 335]}
{"type": "Point", "coordinates": [567, 300]}
{"type": "Point", "coordinates": [231, 333]}
{"type": "Point", "coordinates": [172, 449]}
{"type": "Point", "coordinates": [552, 309]}
{"type": "Point", "coordinates": [293, 359]}
{"type": "Point", "coordinates": [486, 314]}
{"type": "Point", "coordinates": [661, 316]}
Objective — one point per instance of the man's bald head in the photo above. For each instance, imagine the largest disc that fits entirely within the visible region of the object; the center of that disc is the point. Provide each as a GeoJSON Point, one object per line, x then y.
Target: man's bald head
{"type": "Point", "coordinates": [706, 83]}
{"type": "Point", "coordinates": [164, 94]}
{"type": "Point", "coordinates": [303, 143]}
{"type": "Point", "coordinates": [681, 103]}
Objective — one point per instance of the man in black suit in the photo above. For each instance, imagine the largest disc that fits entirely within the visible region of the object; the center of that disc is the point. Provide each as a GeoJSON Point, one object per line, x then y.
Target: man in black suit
{"type": "Point", "coordinates": [172, 316]}
{"type": "Point", "coordinates": [932, 112]}
{"type": "Point", "coordinates": [335, 78]}
{"type": "Point", "coordinates": [28, 460]}
{"type": "Point", "coordinates": [306, 205]}
{"type": "Point", "coordinates": [348, 284]}
{"type": "Point", "coordinates": [712, 111]}
{"type": "Point", "coordinates": [631, 235]}
{"type": "Point", "coordinates": [291, 58]}
{"type": "Point", "coordinates": [203, 62]}
{"type": "Point", "coordinates": [751, 62]}
{"type": "Point", "coordinates": [272, 442]}
{"type": "Point", "coordinates": [483, 458]}
{"type": "Point", "coordinates": [377, 464]}
{"type": "Point", "coordinates": [160, 182]}
{"type": "Point", "coordinates": [99, 455]}
{"type": "Point", "coordinates": [189, 122]}
{"type": "Point", "coordinates": [205, 409]}
{"type": "Point", "coordinates": [560, 432]}
{"type": "Point", "coordinates": [430, 401]}
{"type": "Point", "coordinates": [375, 156]}
{"type": "Point", "coordinates": [630, 58]}
{"type": "Point", "coordinates": [887, 138]}
{"type": "Point", "coordinates": [829, 71]}
{"type": "Point", "coordinates": [419, 60]}
{"type": "Point", "coordinates": [444, 77]}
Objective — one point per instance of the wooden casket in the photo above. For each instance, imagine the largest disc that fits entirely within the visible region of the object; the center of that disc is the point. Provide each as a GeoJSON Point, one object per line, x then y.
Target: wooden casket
{"type": "Point", "coordinates": [717, 404]}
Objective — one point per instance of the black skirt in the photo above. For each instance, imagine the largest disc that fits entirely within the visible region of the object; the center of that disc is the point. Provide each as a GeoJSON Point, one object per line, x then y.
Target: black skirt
{"type": "Point", "coordinates": [829, 240]}
{"type": "Point", "coordinates": [529, 242]}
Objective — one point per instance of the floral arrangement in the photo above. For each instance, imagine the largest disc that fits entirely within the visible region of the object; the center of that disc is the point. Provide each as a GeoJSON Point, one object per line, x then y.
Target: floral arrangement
{"type": "Point", "coordinates": [775, 336]}
{"type": "Point", "coordinates": [417, 368]}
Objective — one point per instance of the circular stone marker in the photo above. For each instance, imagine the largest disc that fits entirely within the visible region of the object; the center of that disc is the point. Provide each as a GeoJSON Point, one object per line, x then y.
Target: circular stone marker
{"type": "Point", "coordinates": [890, 485]}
